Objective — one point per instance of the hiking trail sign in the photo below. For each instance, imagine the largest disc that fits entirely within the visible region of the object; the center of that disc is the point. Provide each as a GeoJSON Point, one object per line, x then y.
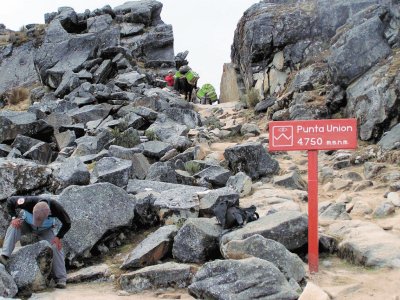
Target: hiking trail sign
{"type": "Point", "coordinates": [313, 135]}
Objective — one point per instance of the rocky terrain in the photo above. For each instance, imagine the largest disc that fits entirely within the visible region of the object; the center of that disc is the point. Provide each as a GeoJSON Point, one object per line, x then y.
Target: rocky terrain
{"type": "Point", "coordinates": [86, 120]}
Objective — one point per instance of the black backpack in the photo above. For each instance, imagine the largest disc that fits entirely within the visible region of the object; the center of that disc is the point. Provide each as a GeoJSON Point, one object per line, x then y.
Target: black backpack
{"type": "Point", "coordinates": [230, 215]}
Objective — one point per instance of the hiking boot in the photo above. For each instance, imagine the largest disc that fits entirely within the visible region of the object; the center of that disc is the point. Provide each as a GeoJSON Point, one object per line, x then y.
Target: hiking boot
{"type": "Point", "coordinates": [3, 260]}
{"type": "Point", "coordinates": [61, 285]}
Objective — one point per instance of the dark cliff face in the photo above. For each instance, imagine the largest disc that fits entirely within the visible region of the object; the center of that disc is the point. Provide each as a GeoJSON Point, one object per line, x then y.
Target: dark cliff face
{"type": "Point", "coordinates": [322, 55]}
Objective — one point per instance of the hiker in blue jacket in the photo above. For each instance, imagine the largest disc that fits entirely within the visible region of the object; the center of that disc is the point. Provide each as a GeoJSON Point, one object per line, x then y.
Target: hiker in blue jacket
{"type": "Point", "coordinates": [37, 216]}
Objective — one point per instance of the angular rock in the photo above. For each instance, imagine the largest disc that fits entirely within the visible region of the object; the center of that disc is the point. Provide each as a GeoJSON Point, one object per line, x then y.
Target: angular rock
{"type": "Point", "coordinates": [176, 204]}
{"type": "Point", "coordinates": [252, 159]}
{"type": "Point", "coordinates": [131, 29]}
{"type": "Point", "coordinates": [30, 266]}
{"type": "Point", "coordinates": [371, 170]}
{"type": "Point", "coordinates": [250, 128]}
{"type": "Point", "coordinates": [8, 288]}
{"type": "Point", "coordinates": [249, 278]}
{"type": "Point", "coordinates": [19, 176]}
{"type": "Point", "coordinates": [217, 176]}
{"type": "Point", "coordinates": [89, 113]}
{"type": "Point", "coordinates": [240, 183]}
{"type": "Point", "coordinates": [128, 80]}
{"type": "Point", "coordinates": [71, 172]}
{"type": "Point", "coordinates": [167, 275]}
{"type": "Point", "coordinates": [152, 249]}
{"type": "Point", "coordinates": [145, 13]}
{"type": "Point", "coordinates": [65, 139]}
{"type": "Point", "coordinates": [155, 149]}
{"type": "Point", "coordinates": [384, 209]}
{"type": "Point", "coordinates": [263, 106]}
{"type": "Point", "coordinates": [4, 150]}
{"type": "Point", "coordinates": [187, 117]}
{"type": "Point", "coordinates": [93, 273]}
{"type": "Point", "coordinates": [164, 172]}
{"type": "Point", "coordinates": [107, 208]}
{"type": "Point", "coordinates": [138, 186]}
{"type": "Point", "coordinates": [41, 153]}
{"type": "Point", "coordinates": [312, 291]}
{"type": "Point", "coordinates": [122, 152]}
{"type": "Point", "coordinates": [24, 143]}
{"type": "Point", "coordinates": [99, 23]}
{"type": "Point", "coordinates": [69, 82]}
{"type": "Point", "coordinates": [211, 198]}
{"type": "Point", "coordinates": [334, 211]}
{"type": "Point", "coordinates": [391, 140]}
{"type": "Point", "coordinates": [113, 170]}
{"type": "Point", "coordinates": [290, 228]}
{"type": "Point", "coordinates": [197, 241]}
{"type": "Point", "coordinates": [291, 180]}
{"type": "Point", "coordinates": [288, 263]}
{"type": "Point", "coordinates": [24, 123]}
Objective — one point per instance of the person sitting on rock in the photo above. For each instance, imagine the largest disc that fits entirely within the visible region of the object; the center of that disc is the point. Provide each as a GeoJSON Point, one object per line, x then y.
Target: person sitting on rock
{"type": "Point", "coordinates": [170, 79]}
{"type": "Point", "coordinates": [37, 216]}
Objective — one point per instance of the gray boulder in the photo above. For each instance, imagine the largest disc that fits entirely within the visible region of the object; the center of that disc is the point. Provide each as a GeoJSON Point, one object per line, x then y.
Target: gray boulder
{"type": "Point", "coordinates": [291, 180]}
{"type": "Point", "coordinates": [217, 176]}
{"type": "Point", "coordinates": [113, 170]}
{"type": "Point", "coordinates": [4, 150]}
{"type": "Point", "coordinates": [24, 123]}
{"type": "Point", "coordinates": [288, 263]}
{"type": "Point", "coordinates": [30, 266]}
{"type": "Point", "coordinates": [250, 278]}
{"type": "Point", "coordinates": [128, 80]}
{"type": "Point", "coordinates": [372, 170]}
{"type": "Point", "coordinates": [152, 249]}
{"type": "Point", "coordinates": [155, 149]}
{"type": "Point", "coordinates": [65, 139]}
{"type": "Point", "coordinates": [252, 159]}
{"type": "Point", "coordinates": [290, 228]}
{"type": "Point", "coordinates": [187, 117]}
{"type": "Point", "coordinates": [71, 172]}
{"type": "Point", "coordinates": [41, 153]}
{"type": "Point", "coordinates": [165, 129]}
{"type": "Point", "coordinates": [210, 199]}
{"type": "Point", "coordinates": [391, 140]}
{"type": "Point", "coordinates": [69, 82]}
{"type": "Point", "coordinates": [99, 23]}
{"type": "Point", "coordinates": [106, 208]}
{"type": "Point", "coordinates": [167, 275]}
{"type": "Point", "coordinates": [163, 172]}
{"type": "Point", "coordinates": [240, 183]}
{"type": "Point", "coordinates": [334, 211]}
{"type": "Point", "coordinates": [138, 186]}
{"type": "Point", "coordinates": [173, 205]}
{"type": "Point", "coordinates": [8, 288]}
{"type": "Point", "coordinates": [24, 143]}
{"type": "Point", "coordinates": [197, 241]}
{"type": "Point", "coordinates": [19, 176]}
{"type": "Point", "coordinates": [131, 29]}
{"type": "Point", "coordinates": [94, 273]}
{"type": "Point", "coordinates": [90, 113]}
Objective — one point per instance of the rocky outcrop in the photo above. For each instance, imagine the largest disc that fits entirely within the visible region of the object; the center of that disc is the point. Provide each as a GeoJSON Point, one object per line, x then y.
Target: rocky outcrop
{"type": "Point", "coordinates": [321, 58]}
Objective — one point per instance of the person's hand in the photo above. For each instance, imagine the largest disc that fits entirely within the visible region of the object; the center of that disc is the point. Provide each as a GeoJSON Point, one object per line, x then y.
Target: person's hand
{"type": "Point", "coordinates": [16, 223]}
{"type": "Point", "coordinates": [57, 242]}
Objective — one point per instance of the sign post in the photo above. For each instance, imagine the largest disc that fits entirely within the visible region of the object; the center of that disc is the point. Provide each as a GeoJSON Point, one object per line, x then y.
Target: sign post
{"type": "Point", "coordinates": [313, 135]}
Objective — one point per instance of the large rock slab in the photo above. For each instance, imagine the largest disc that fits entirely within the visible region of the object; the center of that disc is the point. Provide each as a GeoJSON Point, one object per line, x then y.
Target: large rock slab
{"type": "Point", "coordinates": [93, 273]}
{"type": "Point", "coordinates": [252, 159]}
{"type": "Point", "coordinates": [24, 123]}
{"type": "Point", "coordinates": [210, 199]}
{"type": "Point", "coordinates": [19, 176]}
{"type": "Point", "coordinates": [391, 140]}
{"type": "Point", "coordinates": [113, 170]}
{"type": "Point", "coordinates": [152, 249]}
{"type": "Point", "coordinates": [72, 171]}
{"type": "Point", "coordinates": [176, 204]}
{"type": "Point", "coordinates": [288, 263]}
{"type": "Point", "coordinates": [358, 48]}
{"type": "Point", "coordinates": [167, 275]}
{"type": "Point", "coordinates": [366, 244]}
{"type": "Point", "coordinates": [136, 186]}
{"type": "Point", "coordinates": [290, 228]}
{"type": "Point", "coordinates": [106, 208]}
{"type": "Point", "coordinates": [197, 241]}
{"type": "Point", "coordinates": [250, 278]}
{"type": "Point", "coordinates": [30, 266]}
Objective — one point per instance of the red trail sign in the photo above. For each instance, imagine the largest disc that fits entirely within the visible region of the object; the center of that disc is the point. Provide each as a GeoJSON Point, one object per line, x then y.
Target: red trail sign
{"type": "Point", "coordinates": [313, 135]}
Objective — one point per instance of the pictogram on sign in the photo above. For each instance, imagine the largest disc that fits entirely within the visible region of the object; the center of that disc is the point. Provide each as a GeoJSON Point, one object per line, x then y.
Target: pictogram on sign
{"type": "Point", "coordinates": [282, 136]}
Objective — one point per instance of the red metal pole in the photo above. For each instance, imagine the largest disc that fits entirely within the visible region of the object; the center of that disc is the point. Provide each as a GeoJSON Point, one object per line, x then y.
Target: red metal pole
{"type": "Point", "coordinates": [313, 211]}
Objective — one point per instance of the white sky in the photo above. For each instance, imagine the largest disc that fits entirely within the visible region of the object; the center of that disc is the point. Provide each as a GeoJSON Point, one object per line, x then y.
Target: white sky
{"type": "Point", "coordinates": [204, 27]}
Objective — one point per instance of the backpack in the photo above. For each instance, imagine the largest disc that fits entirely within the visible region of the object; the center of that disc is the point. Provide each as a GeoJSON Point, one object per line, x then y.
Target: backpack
{"type": "Point", "coordinates": [230, 215]}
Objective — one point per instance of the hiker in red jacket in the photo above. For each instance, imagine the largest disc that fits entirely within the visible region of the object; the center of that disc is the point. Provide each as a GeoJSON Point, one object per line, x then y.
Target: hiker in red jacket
{"type": "Point", "coordinates": [170, 78]}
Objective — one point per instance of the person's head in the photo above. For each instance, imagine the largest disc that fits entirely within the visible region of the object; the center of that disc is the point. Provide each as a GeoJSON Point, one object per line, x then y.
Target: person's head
{"type": "Point", "coordinates": [40, 213]}
{"type": "Point", "coordinates": [170, 72]}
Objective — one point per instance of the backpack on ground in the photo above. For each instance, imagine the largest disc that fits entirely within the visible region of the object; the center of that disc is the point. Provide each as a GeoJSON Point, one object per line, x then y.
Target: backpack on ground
{"type": "Point", "coordinates": [230, 215]}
